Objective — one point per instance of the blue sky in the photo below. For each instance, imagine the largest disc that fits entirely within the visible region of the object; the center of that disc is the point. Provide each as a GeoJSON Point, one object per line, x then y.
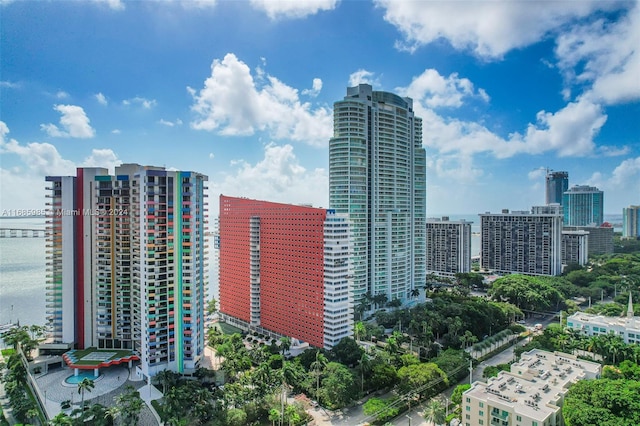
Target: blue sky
{"type": "Point", "coordinates": [243, 92]}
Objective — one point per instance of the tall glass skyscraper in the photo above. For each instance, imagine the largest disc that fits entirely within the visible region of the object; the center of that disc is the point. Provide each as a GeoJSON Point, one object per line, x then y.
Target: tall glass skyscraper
{"type": "Point", "coordinates": [557, 184]}
{"type": "Point", "coordinates": [377, 174]}
{"type": "Point", "coordinates": [583, 205]}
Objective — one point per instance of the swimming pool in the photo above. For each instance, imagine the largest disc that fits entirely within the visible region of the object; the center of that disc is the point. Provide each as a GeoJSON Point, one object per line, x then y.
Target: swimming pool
{"type": "Point", "coordinates": [82, 374]}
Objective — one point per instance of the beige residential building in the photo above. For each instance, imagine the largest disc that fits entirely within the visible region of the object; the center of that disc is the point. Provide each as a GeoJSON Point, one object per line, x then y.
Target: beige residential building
{"type": "Point", "coordinates": [531, 394]}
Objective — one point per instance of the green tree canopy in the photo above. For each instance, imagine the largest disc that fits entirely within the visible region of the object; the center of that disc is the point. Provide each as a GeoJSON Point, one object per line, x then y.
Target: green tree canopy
{"type": "Point", "coordinates": [603, 402]}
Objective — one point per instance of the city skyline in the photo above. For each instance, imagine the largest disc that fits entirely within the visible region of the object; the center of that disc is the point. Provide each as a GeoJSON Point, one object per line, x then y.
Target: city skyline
{"type": "Point", "coordinates": [249, 101]}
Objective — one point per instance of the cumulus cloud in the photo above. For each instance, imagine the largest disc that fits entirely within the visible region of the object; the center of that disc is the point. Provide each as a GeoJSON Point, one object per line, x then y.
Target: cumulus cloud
{"type": "Point", "coordinates": [363, 76]}
{"type": "Point", "coordinates": [61, 94]}
{"type": "Point", "coordinates": [102, 158]}
{"type": "Point", "coordinates": [144, 102]}
{"type": "Point", "coordinates": [293, 9]}
{"type": "Point", "coordinates": [74, 123]}
{"type": "Point", "coordinates": [604, 54]}
{"type": "Point", "coordinates": [568, 132]}
{"type": "Point", "coordinates": [277, 177]}
{"type": "Point", "coordinates": [232, 102]}
{"type": "Point", "coordinates": [487, 28]}
{"type": "Point", "coordinates": [102, 99]}
{"type": "Point", "coordinates": [39, 160]}
{"type": "Point", "coordinates": [435, 90]}
{"type": "Point", "coordinates": [168, 123]}
{"type": "Point", "coordinates": [315, 89]}
{"type": "Point", "coordinates": [537, 174]}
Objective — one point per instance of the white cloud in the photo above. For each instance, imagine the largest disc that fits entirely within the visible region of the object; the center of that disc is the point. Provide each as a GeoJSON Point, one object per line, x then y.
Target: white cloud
{"type": "Point", "coordinates": [102, 158]}
{"type": "Point", "coordinates": [363, 76]}
{"type": "Point", "coordinates": [9, 84]}
{"type": "Point", "coordinates": [39, 160]}
{"type": "Point", "coordinates": [278, 177]}
{"type": "Point", "coordinates": [61, 94]}
{"type": "Point", "coordinates": [116, 131]}
{"type": "Point", "coordinates": [167, 123]}
{"type": "Point", "coordinates": [102, 99]}
{"type": "Point", "coordinates": [315, 89]}
{"type": "Point", "coordinates": [488, 28]}
{"type": "Point", "coordinates": [233, 103]}
{"type": "Point", "coordinates": [606, 55]}
{"type": "Point", "coordinates": [211, 156]}
{"type": "Point", "coordinates": [434, 90]}
{"type": "Point", "coordinates": [144, 102]}
{"type": "Point", "coordinates": [293, 9]}
{"type": "Point", "coordinates": [537, 174]}
{"type": "Point", "coordinates": [622, 186]}
{"type": "Point", "coordinates": [74, 123]}
{"type": "Point", "coordinates": [112, 4]}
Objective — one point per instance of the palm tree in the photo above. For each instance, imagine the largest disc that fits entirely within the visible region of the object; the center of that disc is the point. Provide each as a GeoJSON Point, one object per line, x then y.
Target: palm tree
{"type": "Point", "coordinates": [415, 293]}
{"type": "Point", "coordinates": [61, 420]}
{"type": "Point", "coordinates": [85, 386]}
{"type": "Point", "coordinates": [365, 364]}
{"type": "Point", "coordinates": [285, 344]}
{"type": "Point", "coordinates": [435, 412]}
{"type": "Point", "coordinates": [359, 330]}
{"type": "Point", "coordinates": [318, 367]}
{"type": "Point", "coordinates": [274, 416]}
{"type": "Point", "coordinates": [166, 378]}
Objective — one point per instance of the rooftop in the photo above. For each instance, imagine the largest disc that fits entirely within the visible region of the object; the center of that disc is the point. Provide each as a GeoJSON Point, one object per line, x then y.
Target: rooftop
{"type": "Point", "coordinates": [535, 385]}
{"type": "Point", "coordinates": [632, 323]}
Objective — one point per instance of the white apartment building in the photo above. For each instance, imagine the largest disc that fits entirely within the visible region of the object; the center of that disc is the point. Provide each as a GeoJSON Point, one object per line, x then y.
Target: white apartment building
{"type": "Point", "coordinates": [531, 394]}
{"type": "Point", "coordinates": [522, 242]}
{"type": "Point", "coordinates": [448, 246]}
{"type": "Point", "coordinates": [591, 325]}
{"type": "Point", "coordinates": [575, 247]}
{"type": "Point", "coordinates": [377, 175]}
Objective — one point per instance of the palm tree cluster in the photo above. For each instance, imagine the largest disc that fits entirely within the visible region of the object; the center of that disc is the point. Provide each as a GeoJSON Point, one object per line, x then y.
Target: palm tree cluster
{"type": "Point", "coordinates": [15, 385]}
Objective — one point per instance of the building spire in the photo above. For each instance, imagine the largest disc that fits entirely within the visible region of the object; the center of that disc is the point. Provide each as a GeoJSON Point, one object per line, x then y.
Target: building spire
{"type": "Point", "coordinates": [630, 307]}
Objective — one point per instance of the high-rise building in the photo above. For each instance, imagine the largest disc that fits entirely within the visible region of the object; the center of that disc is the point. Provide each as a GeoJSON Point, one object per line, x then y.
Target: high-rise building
{"type": "Point", "coordinates": [556, 184]}
{"type": "Point", "coordinates": [600, 238]}
{"type": "Point", "coordinates": [448, 246]}
{"type": "Point", "coordinates": [284, 270]}
{"type": "Point", "coordinates": [583, 206]}
{"type": "Point", "coordinates": [127, 263]}
{"type": "Point", "coordinates": [377, 175]}
{"type": "Point", "coordinates": [522, 242]}
{"type": "Point", "coordinates": [631, 222]}
{"type": "Point", "coordinates": [575, 247]}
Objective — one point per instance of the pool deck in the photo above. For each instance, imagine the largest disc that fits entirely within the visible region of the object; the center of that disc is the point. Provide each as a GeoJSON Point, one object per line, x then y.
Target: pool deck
{"type": "Point", "coordinates": [110, 384]}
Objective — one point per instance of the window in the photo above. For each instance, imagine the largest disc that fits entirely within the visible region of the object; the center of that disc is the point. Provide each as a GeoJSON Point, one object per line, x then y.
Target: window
{"type": "Point", "coordinates": [518, 418]}
{"type": "Point", "coordinates": [481, 404]}
{"type": "Point", "coordinates": [481, 413]}
{"type": "Point", "coordinates": [468, 400]}
{"type": "Point", "coordinates": [468, 408]}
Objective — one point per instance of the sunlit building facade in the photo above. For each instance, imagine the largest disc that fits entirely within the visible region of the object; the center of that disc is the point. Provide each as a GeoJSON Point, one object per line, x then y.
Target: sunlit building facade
{"type": "Point", "coordinates": [285, 270]}
{"type": "Point", "coordinates": [377, 175]}
{"type": "Point", "coordinates": [127, 263]}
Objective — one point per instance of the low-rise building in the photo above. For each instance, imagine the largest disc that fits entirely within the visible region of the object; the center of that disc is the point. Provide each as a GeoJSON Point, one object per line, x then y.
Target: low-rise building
{"type": "Point", "coordinates": [531, 394]}
{"type": "Point", "coordinates": [592, 325]}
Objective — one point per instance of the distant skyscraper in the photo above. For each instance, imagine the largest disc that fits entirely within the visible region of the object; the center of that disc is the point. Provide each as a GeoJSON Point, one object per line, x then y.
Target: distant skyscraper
{"type": "Point", "coordinates": [127, 263]}
{"type": "Point", "coordinates": [377, 174]}
{"type": "Point", "coordinates": [448, 246]}
{"type": "Point", "coordinates": [583, 205]}
{"type": "Point", "coordinates": [557, 184]}
{"type": "Point", "coordinates": [284, 269]}
{"type": "Point", "coordinates": [522, 242]}
{"type": "Point", "coordinates": [631, 222]}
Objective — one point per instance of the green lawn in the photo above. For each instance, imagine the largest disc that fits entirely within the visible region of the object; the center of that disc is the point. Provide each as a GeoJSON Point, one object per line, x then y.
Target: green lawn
{"type": "Point", "coordinates": [227, 328]}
